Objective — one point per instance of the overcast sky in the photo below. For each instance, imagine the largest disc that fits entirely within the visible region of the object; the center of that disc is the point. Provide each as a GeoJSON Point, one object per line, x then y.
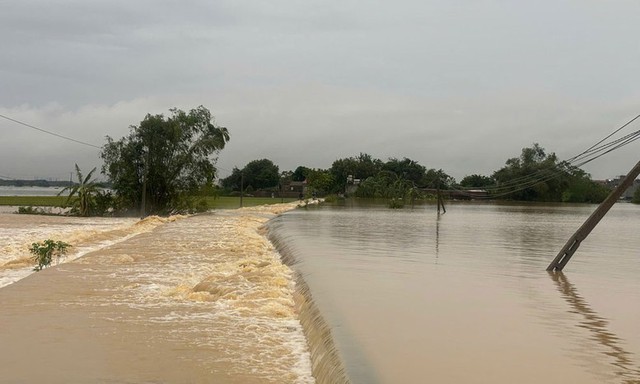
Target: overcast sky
{"type": "Point", "coordinates": [461, 85]}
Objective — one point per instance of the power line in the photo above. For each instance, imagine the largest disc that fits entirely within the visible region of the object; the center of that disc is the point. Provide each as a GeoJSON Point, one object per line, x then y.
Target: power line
{"type": "Point", "coordinates": [542, 175]}
{"type": "Point", "coordinates": [49, 132]}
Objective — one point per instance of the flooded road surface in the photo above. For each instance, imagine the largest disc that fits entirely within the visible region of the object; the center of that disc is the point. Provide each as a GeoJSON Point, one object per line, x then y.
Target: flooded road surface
{"type": "Point", "coordinates": [202, 299]}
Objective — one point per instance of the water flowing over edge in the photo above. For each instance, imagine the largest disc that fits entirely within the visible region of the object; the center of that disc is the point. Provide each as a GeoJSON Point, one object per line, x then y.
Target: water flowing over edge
{"type": "Point", "coordinates": [326, 364]}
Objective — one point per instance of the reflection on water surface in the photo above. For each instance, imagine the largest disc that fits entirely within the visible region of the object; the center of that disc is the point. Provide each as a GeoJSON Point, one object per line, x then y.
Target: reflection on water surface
{"type": "Point", "coordinates": [464, 297]}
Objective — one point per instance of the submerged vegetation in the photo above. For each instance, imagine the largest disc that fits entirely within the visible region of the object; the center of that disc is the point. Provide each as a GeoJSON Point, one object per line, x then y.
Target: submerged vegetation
{"type": "Point", "coordinates": [43, 252]}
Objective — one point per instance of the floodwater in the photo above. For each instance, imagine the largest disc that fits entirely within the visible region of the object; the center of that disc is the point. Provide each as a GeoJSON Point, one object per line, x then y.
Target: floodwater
{"type": "Point", "coordinates": [369, 295]}
{"type": "Point", "coordinates": [199, 299]}
{"type": "Point", "coordinates": [415, 297]}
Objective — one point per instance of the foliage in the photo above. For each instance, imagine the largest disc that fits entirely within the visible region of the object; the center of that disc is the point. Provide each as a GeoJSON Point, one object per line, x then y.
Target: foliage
{"type": "Point", "coordinates": [300, 173]}
{"type": "Point", "coordinates": [437, 179]}
{"type": "Point", "coordinates": [476, 181]}
{"type": "Point", "coordinates": [406, 169]}
{"type": "Point", "coordinates": [385, 184]}
{"type": "Point", "coordinates": [320, 181]}
{"type": "Point", "coordinates": [257, 174]}
{"type": "Point", "coordinates": [43, 252]}
{"type": "Point", "coordinates": [29, 210]}
{"type": "Point", "coordinates": [581, 189]}
{"type": "Point", "coordinates": [332, 198]}
{"type": "Point", "coordinates": [174, 155]}
{"type": "Point", "coordinates": [261, 174]}
{"type": "Point", "coordinates": [636, 196]}
{"type": "Point", "coordinates": [82, 195]}
{"type": "Point", "coordinates": [538, 176]}
{"type": "Point", "coordinates": [361, 167]}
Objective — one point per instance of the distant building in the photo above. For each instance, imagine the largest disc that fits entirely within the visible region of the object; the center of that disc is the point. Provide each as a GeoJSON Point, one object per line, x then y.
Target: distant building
{"type": "Point", "coordinates": [352, 185]}
{"type": "Point", "coordinates": [294, 188]}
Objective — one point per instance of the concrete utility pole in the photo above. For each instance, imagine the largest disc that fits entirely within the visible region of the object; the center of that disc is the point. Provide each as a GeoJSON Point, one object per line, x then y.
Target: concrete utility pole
{"type": "Point", "coordinates": [574, 241]}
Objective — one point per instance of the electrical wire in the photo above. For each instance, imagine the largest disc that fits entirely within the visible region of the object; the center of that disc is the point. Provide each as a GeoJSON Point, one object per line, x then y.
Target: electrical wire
{"type": "Point", "coordinates": [530, 180]}
{"type": "Point", "coordinates": [49, 132]}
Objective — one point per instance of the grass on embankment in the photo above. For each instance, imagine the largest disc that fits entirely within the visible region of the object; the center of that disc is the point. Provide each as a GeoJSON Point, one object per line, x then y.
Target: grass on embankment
{"type": "Point", "coordinates": [35, 201]}
{"type": "Point", "coordinates": [223, 202]}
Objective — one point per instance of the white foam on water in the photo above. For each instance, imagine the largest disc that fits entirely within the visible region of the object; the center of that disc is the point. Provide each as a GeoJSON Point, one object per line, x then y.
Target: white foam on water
{"type": "Point", "coordinates": [85, 235]}
{"type": "Point", "coordinates": [208, 283]}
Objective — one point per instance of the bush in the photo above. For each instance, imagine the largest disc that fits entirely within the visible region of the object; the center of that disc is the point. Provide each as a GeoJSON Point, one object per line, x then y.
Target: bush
{"type": "Point", "coordinates": [43, 252]}
{"type": "Point", "coordinates": [636, 196]}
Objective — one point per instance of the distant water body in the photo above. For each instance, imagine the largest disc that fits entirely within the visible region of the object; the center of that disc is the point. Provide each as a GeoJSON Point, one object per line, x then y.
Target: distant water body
{"type": "Point", "coordinates": [29, 191]}
{"type": "Point", "coordinates": [413, 297]}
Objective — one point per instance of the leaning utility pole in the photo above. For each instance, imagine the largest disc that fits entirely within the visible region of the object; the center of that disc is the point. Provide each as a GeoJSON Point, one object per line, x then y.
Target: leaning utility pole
{"type": "Point", "coordinates": [574, 241]}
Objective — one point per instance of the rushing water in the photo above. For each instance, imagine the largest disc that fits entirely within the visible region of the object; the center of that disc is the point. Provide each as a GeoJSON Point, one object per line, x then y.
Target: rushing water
{"type": "Point", "coordinates": [413, 297]}
{"type": "Point", "coordinates": [200, 299]}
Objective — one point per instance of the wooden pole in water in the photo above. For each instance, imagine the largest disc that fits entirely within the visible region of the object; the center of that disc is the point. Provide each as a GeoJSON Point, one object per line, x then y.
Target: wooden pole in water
{"type": "Point", "coordinates": [574, 241]}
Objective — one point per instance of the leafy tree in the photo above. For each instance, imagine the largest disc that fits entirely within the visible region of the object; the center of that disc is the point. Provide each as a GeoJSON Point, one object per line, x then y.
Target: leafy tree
{"type": "Point", "coordinates": [257, 174]}
{"type": "Point", "coordinates": [300, 174]}
{"type": "Point", "coordinates": [360, 167]}
{"type": "Point", "coordinates": [43, 252]}
{"type": "Point", "coordinates": [82, 195]}
{"type": "Point", "coordinates": [406, 169]}
{"type": "Point", "coordinates": [437, 179]}
{"type": "Point", "coordinates": [476, 181]}
{"type": "Point", "coordinates": [581, 189]}
{"type": "Point", "coordinates": [175, 155]}
{"type": "Point", "coordinates": [538, 176]}
{"type": "Point", "coordinates": [320, 180]}
{"type": "Point", "coordinates": [534, 176]}
{"type": "Point", "coordinates": [233, 181]}
{"type": "Point", "coordinates": [261, 174]}
{"type": "Point", "coordinates": [385, 184]}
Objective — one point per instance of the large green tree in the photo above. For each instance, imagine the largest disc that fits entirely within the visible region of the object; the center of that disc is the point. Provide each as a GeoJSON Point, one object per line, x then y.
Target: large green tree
{"type": "Point", "coordinates": [360, 167]}
{"type": "Point", "coordinates": [170, 158]}
{"type": "Point", "coordinates": [539, 176]}
{"type": "Point", "coordinates": [257, 174]}
{"type": "Point", "coordinates": [406, 169]}
{"type": "Point", "coordinates": [476, 181]}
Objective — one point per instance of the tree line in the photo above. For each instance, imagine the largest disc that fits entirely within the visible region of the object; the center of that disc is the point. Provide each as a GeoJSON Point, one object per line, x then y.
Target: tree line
{"type": "Point", "coordinates": [166, 164]}
{"type": "Point", "coordinates": [535, 175]}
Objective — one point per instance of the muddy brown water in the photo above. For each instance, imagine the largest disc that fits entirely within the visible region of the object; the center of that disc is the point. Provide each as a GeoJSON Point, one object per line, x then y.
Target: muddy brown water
{"type": "Point", "coordinates": [413, 297]}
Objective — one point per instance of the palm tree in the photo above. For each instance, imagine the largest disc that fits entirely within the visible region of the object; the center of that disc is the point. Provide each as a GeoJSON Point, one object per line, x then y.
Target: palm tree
{"type": "Point", "coordinates": [84, 191]}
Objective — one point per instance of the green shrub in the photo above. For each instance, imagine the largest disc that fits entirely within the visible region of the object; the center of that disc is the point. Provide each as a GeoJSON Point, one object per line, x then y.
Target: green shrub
{"type": "Point", "coordinates": [27, 210]}
{"type": "Point", "coordinates": [636, 196]}
{"type": "Point", "coordinates": [43, 252]}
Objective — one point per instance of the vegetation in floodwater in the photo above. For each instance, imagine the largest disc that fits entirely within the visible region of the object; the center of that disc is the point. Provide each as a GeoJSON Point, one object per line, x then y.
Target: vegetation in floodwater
{"type": "Point", "coordinates": [395, 204]}
{"type": "Point", "coordinates": [43, 252]}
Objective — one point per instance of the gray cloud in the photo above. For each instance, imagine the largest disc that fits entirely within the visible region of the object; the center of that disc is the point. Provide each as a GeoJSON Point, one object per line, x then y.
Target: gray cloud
{"type": "Point", "coordinates": [455, 85]}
